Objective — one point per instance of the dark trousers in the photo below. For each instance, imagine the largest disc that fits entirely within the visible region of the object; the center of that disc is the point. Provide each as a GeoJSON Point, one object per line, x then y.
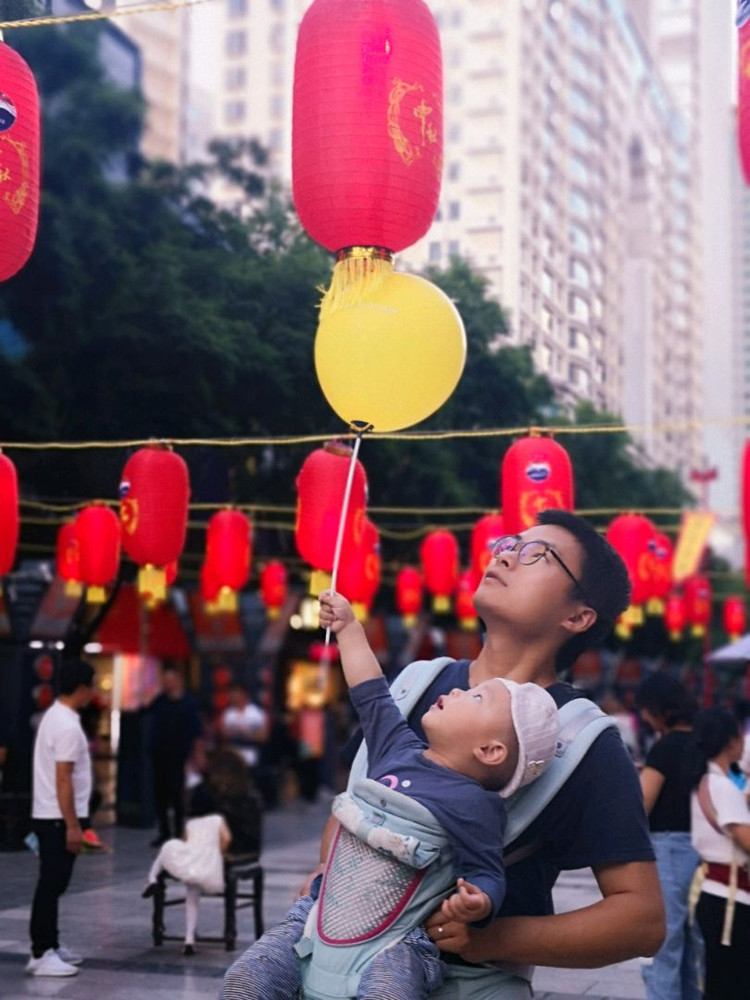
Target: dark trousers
{"type": "Point", "coordinates": [169, 793]}
{"type": "Point", "coordinates": [727, 967]}
{"type": "Point", "coordinates": [55, 868]}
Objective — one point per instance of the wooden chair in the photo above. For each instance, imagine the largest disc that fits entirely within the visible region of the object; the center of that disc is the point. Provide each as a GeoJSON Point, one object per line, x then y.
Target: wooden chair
{"type": "Point", "coordinates": [238, 869]}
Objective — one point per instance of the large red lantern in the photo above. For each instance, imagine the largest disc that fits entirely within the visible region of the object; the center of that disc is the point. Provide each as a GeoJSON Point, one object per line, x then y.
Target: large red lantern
{"type": "Point", "coordinates": [321, 486]}
{"type": "Point", "coordinates": [359, 575]}
{"type": "Point", "coordinates": [68, 559]}
{"type": "Point", "coordinates": [486, 532]}
{"type": "Point", "coordinates": [698, 604]}
{"type": "Point", "coordinates": [409, 594]}
{"type": "Point", "coordinates": [633, 537]}
{"type": "Point", "coordinates": [734, 617]}
{"type": "Point", "coordinates": [154, 495]}
{"type": "Point", "coordinates": [228, 554]}
{"type": "Point", "coordinates": [8, 514]}
{"type": "Point", "coordinates": [536, 475]}
{"type": "Point", "coordinates": [743, 87]}
{"type": "Point", "coordinates": [440, 567]}
{"type": "Point", "coordinates": [464, 605]}
{"type": "Point", "coordinates": [367, 130]}
{"type": "Point", "coordinates": [19, 162]}
{"type": "Point", "coordinates": [98, 531]}
{"type": "Point", "coordinates": [675, 616]}
{"type": "Point", "coordinates": [273, 587]}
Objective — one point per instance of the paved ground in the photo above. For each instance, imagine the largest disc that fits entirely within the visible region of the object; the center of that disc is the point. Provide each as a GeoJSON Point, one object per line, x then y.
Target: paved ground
{"type": "Point", "coordinates": [103, 916]}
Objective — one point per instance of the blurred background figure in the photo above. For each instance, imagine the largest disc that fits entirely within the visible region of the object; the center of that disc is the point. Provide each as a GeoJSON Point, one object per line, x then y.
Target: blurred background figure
{"type": "Point", "coordinates": [174, 728]}
{"type": "Point", "coordinates": [244, 725]}
{"type": "Point", "coordinates": [721, 836]}
{"type": "Point", "coordinates": [667, 708]}
{"type": "Point", "coordinates": [627, 724]}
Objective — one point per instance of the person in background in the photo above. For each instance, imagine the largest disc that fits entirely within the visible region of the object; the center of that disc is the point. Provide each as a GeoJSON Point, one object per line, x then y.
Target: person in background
{"type": "Point", "coordinates": [61, 794]}
{"type": "Point", "coordinates": [627, 724]}
{"type": "Point", "coordinates": [667, 708]}
{"type": "Point", "coordinates": [226, 815]}
{"type": "Point", "coordinates": [175, 726]}
{"type": "Point", "coordinates": [721, 836]}
{"type": "Point", "coordinates": [244, 725]}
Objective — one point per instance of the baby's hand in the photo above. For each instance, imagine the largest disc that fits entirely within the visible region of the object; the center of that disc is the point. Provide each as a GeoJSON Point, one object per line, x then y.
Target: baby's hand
{"type": "Point", "coordinates": [335, 611]}
{"type": "Point", "coordinates": [467, 905]}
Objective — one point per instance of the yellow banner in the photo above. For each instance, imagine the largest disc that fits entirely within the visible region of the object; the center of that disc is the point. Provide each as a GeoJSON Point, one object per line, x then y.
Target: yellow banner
{"type": "Point", "coordinates": [695, 528]}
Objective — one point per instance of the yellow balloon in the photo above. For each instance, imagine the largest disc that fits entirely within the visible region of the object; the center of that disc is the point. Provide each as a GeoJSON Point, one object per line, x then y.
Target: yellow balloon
{"type": "Point", "coordinates": [392, 358]}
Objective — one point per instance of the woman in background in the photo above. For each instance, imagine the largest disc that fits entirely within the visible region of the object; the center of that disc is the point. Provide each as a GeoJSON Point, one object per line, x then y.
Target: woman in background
{"type": "Point", "coordinates": [668, 709]}
{"type": "Point", "coordinates": [721, 836]}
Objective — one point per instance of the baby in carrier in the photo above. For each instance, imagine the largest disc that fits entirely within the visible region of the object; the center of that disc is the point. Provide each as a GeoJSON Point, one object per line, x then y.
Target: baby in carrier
{"type": "Point", "coordinates": [424, 829]}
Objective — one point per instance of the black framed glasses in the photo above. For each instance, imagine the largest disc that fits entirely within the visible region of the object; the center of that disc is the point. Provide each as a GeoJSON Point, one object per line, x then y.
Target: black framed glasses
{"type": "Point", "coordinates": [532, 551]}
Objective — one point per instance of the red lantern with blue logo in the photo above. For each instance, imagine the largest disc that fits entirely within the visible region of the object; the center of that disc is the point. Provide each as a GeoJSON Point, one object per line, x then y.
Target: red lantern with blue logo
{"type": "Point", "coordinates": [536, 475]}
{"type": "Point", "coordinates": [19, 162]}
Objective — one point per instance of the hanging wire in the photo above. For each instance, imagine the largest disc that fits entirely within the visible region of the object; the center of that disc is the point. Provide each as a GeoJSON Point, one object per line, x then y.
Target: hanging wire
{"type": "Point", "coordinates": [98, 15]}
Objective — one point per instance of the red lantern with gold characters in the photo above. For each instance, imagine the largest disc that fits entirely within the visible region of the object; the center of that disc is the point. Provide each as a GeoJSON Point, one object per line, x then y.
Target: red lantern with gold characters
{"type": "Point", "coordinates": [98, 532]}
{"type": "Point", "coordinates": [359, 575]}
{"type": "Point", "coordinates": [154, 496]}
{"type": "Point", "coordinates": [68, 559]}
{"type": "Point", "coordinates": [321, 486]}
{"type": "Point", "coordinates": [633, 537]}
{"type": "Point", "coordinates": [440, 567]}
{"type": "Point", "coordinates": [367, 128]}
{"type": "Point", "coordinates": [675, 616]}
{"type": "Point", "coordinates": [9, 524]}
{"type": "Point", "coordinates": [228, 554]}
{"type": "Point", "coordinates": [698, 604]}
{"type": "Point", "coordinates": [734, 617]}
{"type": "Point", "coordinates": [486, 532]}
{"type": "Point", "coordinates": [19, 162]}
{"type": "Point", "coordinates": [273, 587]}
{"type": "Point", "coordinates": [660, 572]}
{"type": "Point", "coordinates": [409, 594]}
{"type": "Point", "coordinates": [464, 604]}
{"type": "Point", "coordinates": [536, 475]}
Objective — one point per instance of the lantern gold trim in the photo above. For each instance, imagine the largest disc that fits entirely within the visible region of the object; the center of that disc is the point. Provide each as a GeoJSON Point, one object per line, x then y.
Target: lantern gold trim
{"type": "Point", "coordinates": [358, 273]}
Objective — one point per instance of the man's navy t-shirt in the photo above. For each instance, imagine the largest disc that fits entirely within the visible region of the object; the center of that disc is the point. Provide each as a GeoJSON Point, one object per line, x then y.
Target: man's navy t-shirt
{"type": "Point", "coordinates": [596, 819]}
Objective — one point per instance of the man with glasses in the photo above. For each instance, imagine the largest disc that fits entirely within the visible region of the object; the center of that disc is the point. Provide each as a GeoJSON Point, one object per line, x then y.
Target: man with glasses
{"type": "Point", "coordinates": [547, 593]}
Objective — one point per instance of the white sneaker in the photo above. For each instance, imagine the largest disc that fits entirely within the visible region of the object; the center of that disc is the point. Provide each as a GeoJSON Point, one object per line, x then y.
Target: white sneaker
{"type": "Point", "coordinates": [71, 957]}
{"type": "Point", "coordinates": [50, 964]}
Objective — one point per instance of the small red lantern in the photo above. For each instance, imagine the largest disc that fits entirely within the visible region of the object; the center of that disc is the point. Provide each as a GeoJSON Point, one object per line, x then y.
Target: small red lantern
{"type": "Point", "coordinates": [440, 566]}
{"type": "Point", "coordinates": [321, 486]}
{"type": "Point", "coordinates": [359, 575]}
{"type": "Point", "coordinates": [675, 616]}
{"type": "Point", "coordinates": [633, 537]}
{"type": "Point", "coordinates": [409, 595]}
{"type": "Point", "coordinates": [19, 162]}
{"type": "Point", "coordinates": [367, 130]}
{"type": "Point", "coordinates": [8, 514]}
{"type": "Point", "coordinates": [698, 604]}
{"type": "Point", "coordinates": [228, 554]}
{"type": "Point", "coordinates": [154, 495]}
{"type": "Point", "coordinates": [746, 462]}
{"type": "Point", "coordinates": [210, 588]}
{"type": "Point", "coordinates": [98, 531]}
{"type": "Point", "coordinates": [660, 572]}
{"type": "Point", "coordinates": [536, 475]}
{"type": "Point", "coordinates": [734, 617]}
{"type": "Point", "coordinates": [68, 559]}
{"type": "Point", "coordinates": [273, 588]}
{"type": "Point", "coordinates": [464, 606]}
{"type": "Point", "coordinates": [486, 532]}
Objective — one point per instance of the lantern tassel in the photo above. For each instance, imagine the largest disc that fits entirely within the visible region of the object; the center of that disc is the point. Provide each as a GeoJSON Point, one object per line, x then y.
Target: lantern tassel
{"type": "Point", "coordinates": [357, 275]}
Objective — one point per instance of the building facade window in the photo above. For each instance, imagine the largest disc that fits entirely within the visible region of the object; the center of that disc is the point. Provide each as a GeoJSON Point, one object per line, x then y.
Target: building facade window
{"type": "Point", "coordinates": [235, 78]}
{"type": "Point", "coordinates": [237, 8]}
{"type": "Point", "coordinates": [234, 111]}
{"type": "Point", "coordinates": [236, 43]}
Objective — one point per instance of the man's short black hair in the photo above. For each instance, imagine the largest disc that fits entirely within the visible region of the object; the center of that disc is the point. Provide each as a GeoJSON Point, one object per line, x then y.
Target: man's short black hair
{"type": "Point", "coordinates": [603, 580]}
{"type": "Point", "coordinates": [73, 673]}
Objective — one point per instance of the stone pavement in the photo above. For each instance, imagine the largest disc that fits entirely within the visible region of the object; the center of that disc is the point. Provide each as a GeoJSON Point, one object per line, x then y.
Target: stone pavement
{"type": "Point", "coordinates": [104, 917]}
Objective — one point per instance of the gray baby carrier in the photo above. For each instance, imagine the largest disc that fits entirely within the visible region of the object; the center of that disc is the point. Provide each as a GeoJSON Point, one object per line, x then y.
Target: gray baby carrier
{"type": "Point", "coordinates": [391, 864]}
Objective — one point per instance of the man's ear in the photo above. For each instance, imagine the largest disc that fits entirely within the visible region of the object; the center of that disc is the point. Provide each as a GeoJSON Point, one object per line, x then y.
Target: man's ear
{"type": "Point", "coordinates": [491, 754]}
{"type": "Point", "coordinates": [580, 621]}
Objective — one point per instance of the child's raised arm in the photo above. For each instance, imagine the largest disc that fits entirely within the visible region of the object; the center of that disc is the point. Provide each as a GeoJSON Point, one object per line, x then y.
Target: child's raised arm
{"type": "Point", "coordinates": [357, 659]}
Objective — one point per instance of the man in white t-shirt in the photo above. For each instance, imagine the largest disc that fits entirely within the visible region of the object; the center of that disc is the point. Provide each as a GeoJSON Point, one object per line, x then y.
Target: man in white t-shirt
{"type": "Point", "coordinates": [244, 724]}
{"type": "Point", "coordinates": [62, 788]}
